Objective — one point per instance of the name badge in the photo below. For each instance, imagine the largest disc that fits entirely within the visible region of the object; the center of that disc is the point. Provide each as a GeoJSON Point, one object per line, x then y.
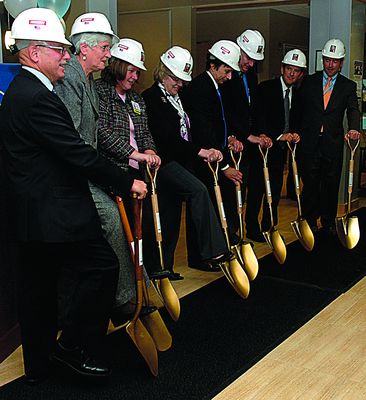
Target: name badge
{"type": "Point", "coordinates": [136, 108]}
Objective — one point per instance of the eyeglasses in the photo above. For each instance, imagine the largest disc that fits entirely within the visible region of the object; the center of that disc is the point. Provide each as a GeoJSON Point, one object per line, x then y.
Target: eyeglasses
{"type": "Point", "coordinates": [174, 78]}
{"type": "Point", "coordinates": [59, 49]}
{"type": "Point", "coordinates": [104, 48]}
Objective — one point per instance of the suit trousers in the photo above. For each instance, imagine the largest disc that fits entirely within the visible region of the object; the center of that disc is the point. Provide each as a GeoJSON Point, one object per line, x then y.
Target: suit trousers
{"type": "Point", "coordinates": [175, 185]}
{"type": "Point", "coordinates": [87, 319]}
{"type": "Point", "coordinates": [321, 177]}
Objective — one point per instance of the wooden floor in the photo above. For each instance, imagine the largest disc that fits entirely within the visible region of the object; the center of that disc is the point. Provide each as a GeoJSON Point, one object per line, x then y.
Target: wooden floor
{"type": "Point", "coordinates": [324, 359]}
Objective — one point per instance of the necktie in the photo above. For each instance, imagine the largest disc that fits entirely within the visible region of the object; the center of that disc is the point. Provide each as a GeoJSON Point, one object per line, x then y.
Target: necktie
{"type": "Point", "coordinates": [286, 104]}
{"type": "Point", "coordinates": [246, 87]}
{"type": "Point", "coordinates": [223, 118]}
{"type": "Point", "coordinates": [327, 92]}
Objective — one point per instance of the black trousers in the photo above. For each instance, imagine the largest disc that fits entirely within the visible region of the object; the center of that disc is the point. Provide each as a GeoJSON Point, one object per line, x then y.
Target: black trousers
{"type": "Point", "coordinates": [321, 176]}
{"type": "Point", "coordinates": [256, 196]}
{"type": "Point", "coordinates": [204, 235]}
{"type": "Point", "coordinates": [87, 319]}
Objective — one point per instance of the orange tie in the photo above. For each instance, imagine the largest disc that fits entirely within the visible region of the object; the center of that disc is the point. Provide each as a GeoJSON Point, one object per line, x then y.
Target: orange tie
{"type": "Point", "coordinates": [326, 93]}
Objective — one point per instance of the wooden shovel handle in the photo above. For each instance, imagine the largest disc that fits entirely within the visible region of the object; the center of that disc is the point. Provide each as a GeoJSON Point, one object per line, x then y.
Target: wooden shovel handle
{"type": "Point", "coordinates": [137, 214]}
{"type": "Point", "coordinates": [156, 217]}
{"type": "Point", "coordinates": [239, 199]}
{"type": "Point", "coordinates": [126, 225]}
{"type": "Point", "coordinates": [267, 185]}
{"type": "Point", "coordinates": [220, 206]}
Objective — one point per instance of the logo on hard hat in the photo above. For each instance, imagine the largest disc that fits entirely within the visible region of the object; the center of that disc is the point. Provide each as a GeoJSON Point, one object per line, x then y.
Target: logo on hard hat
{"type": "Point", "coordinates": [187, 67]}
{"type": "Point", "coordinates": [123, 47]}
{"type": "Point", "coordinates": [37, 22]}
{"type": "Point", "coordinates": [333, 48]}
{"type": "Point", "coordinates": [224, 50]}
{"type": "Point", "coordinates": [260, 49]}
{"type": "Point", "coordinates": [87, 20]}
{"type": "Point", "coordinates": [245, 39]}
{"type": "Point", "coordinates": [295, 57]}
{"type": "Point", "coordinates": [171, 54]}
{"type": "Point", "coordinates": [142, 56]}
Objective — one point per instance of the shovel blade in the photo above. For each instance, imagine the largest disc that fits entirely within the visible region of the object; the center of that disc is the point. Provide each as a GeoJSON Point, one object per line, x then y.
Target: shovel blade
{"type": "Point", "coordinates": [157, 330]}
{"type": "Point", "coordinates": [304, 233]}
{"type": "Point", "coordinates": [348, 231]}
{"type": "Point", "coordinates": [250, 260]}
{"type": "Point", "coordinates": [144, 343]}
{"type": "Point", "coordinates": [240, 278]}
{"type": "Point", "coordinates": [169, 297]}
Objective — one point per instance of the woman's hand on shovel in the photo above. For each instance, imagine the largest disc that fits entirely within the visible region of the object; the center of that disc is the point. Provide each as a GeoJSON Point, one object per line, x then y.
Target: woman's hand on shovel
{"type": "Point", "coordinates": [140, 188]}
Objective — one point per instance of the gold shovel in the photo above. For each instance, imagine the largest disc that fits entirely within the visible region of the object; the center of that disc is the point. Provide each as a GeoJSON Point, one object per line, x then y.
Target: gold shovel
{"type": "Point", "coordinates": [152, 321]}
{"type": "Point", "coordinates": [272, 236]}
{"type": "Point", "coordinates": [248, 257]}
{"type": "Point", "coordinates": [135, 328]}
{"type": "Point", "coordinates": [300, 226]}
{"type": "Point", "coordinates": [163, 286]}
{"type": "Point", "coordinates": [348, 229]}
{"type": "Point", "coordinates": [232, 269]}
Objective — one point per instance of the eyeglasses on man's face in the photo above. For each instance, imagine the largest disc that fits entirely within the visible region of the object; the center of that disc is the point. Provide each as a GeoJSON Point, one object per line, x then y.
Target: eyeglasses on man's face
{"type": "Point", "coordinates": [59, 49]}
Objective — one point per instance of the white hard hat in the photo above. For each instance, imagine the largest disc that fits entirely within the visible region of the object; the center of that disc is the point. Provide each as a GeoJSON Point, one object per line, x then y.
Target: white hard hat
{"type": "Point", "coordinates": [228, 52]}
{"type": "Point", "coordinates": [131, 51]}
{"type": "Point", "coordinates": [295, 57]}
{"type": "Point", "coordinates": [92, 23]}
{"type": "Point", "coordinates": [252, 43]}
{"type": "Point", "coordinates": [179, 61]}
{"type": "Point", "coordinates": [334, 48]}
{"type": "Point", "coordinates": [41, 24]}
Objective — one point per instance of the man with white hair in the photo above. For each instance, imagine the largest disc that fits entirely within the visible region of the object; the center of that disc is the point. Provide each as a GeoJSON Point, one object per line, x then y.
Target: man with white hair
{"type": "Point", "coordinates": [48, 166]}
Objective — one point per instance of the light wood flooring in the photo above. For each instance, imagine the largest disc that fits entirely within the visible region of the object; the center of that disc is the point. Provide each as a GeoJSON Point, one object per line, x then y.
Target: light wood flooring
{"type": "Point", "coordinates": [324, 359]}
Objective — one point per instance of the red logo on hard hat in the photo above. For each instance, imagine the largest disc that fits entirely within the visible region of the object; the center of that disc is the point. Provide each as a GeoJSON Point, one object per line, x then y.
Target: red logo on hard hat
{"type": "Point", "coordinates": [224, 50]}
{"type": "Point", "coordinates": [333, 48]}
{"type": "Point", "coordinates": [295, 57]}
{"type": "Point", "coordinates": [171, 54]}
{"type": "Point", "coordinates": [187, 67]}
{"type": "Point", "coordinates": [37, 22]}
{"type": "Point", "coordinates": [123, 47]}
{"type": "Point", "coordinates": [87, 20]}
{"type": "Point", "coordinates": [245, 39]}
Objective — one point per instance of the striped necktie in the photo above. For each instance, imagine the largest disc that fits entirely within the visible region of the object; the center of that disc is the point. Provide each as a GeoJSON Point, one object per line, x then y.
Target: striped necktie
{"type": "Point", "coordinates": [286, 104]}
{"type": "Point", "coordinates": [327, 92]}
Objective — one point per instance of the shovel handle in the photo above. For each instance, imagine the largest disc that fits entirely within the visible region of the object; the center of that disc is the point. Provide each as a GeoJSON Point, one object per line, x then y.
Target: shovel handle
{"type": "Point", "coordinates": [296, 178]}
{"type": "Point", "coordinates": [126, 225]}
{"type": "Point", "coordinates": [239, 199]}
{"type": "Point", "coordinates": [156, 217]}
{"type": "Point", "coordinates": [236, 161]}
{"type": "Point", "coordinates": [137, 215]}
{"type": "Point", "coordinates": [220, 206]}
{"type": "Point", "coordinates": [267, 185]}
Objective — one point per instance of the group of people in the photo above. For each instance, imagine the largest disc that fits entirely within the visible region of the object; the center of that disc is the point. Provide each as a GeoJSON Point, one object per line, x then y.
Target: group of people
{"type": "Point", "coordinates": [71, 144]}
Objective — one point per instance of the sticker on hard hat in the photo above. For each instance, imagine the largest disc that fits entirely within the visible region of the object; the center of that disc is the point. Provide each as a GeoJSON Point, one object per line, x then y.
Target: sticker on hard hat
{"type": "Point", "coordinates": [171, 54]}
{"type": "Point", "coordinates": [333, 48]}
{"type": "Point", "coordinates": [37, 22]}
{"type": "Point", "coordinates": [187, 67]}
{"type": "Point", "coordinates": [87, 20]}
{"type": "Point", "coordinates": [295, 57]}
{"type": "Point", "coordinates": [224, 50]}
{"type": "Point", "coordinates": [123, 47]}
{"type": "Point", "coordinates": [142, 56]}
{"type": "Point", "coordinates": [260, 49]}
{"type": "Point", "coordinates": [245, 39]}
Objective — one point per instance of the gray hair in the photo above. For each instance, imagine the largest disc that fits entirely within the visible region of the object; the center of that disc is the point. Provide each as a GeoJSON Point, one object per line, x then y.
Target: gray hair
{"type": "Point", "coordinates": [89, 38]}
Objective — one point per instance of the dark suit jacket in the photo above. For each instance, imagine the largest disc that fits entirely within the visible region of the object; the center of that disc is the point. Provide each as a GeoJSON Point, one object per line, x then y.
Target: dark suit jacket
{"type": "Point", "coordinates": [203, 106]}
{"type": "Point", "coordinates": [239, 114]}
{"type": "Point", "coordinates": [49, 165]}
{"type": "Point", "coordinates": [343, 98]}
{"type": "Point", "coordinates": [270, 115]}
{"type": "Point", "coordinates": [164, 125]}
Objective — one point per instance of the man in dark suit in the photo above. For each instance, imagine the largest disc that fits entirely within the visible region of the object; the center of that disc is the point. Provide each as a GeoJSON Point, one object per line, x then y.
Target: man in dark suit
{"type": "Point", "coordinates": [203, 103]}
{"type": "Point", "coordinates": [238, 96]}
{"type": "Point", "coordinates": [48, 166]}
{"type": "Point", "coordinates": [276, 115]}
{"type": "Point", "coordinates": [325, 96]}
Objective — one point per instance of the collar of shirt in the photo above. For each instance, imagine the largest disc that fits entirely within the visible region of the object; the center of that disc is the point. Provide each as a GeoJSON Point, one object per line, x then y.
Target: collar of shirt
{"type": "Point", "coordinates": [213, 80]}
{"type": "Point", "coordinates": [325, 79]}
{"type": "Point", "coordinates": [43, 78]}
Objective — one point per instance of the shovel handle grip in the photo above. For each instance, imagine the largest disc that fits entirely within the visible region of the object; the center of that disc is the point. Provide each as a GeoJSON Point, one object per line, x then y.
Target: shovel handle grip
{"type": "Point", "coordinates": [220, 206]}
{"type": "Point", "coordinates": [156, 217]}
{"type": "Point", "coordinates": [267, 185]}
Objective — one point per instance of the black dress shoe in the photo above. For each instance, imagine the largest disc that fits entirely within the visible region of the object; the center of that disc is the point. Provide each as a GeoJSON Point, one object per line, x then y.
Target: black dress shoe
{"type": "Point", "coordinates": [207, 267]}
{"type": "Point", "coordinates": [80, 362]}
{"type": "Point", "coordinates": [175, 276]}
{"type": "Point", "coordinates": [256, 237]}
{"type": "Point", "coordinates": [217, 260]}
{"type": "Point", "coordinates": [159, 274]}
